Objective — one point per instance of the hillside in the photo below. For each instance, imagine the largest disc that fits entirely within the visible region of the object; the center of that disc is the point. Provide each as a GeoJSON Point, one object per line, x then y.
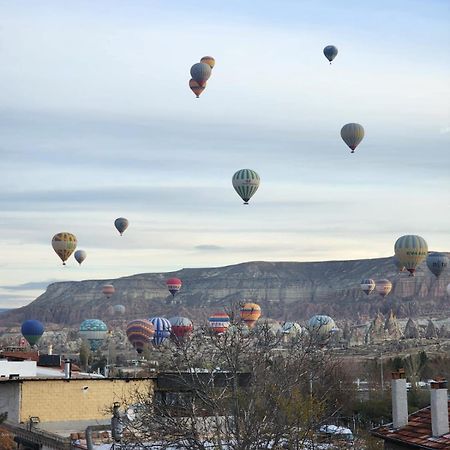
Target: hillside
{"type": "Point", "coordinates": [284, 290]}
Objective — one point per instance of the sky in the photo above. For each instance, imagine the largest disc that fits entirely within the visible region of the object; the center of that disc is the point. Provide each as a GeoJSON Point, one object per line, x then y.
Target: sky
{"type": "Point", "coordinates": [97, 122]}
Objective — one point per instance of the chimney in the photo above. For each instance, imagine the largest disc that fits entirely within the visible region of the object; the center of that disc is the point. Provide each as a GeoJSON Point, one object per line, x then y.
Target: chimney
{"type": "Point", "coordinates": [399, 399]}
{"type": "Point", "coordinates": [50, 349]}
{"type": "Point", "coordinates": [67, 369]}
{"type": "Point", "coordinates": [439, 408]}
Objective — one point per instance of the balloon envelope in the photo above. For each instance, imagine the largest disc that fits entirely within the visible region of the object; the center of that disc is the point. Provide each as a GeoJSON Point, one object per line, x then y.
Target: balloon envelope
{"type": "Point", "coordinates": [437, 262]}
{"type": "Point", "coordinates": [352, 134]}
{"type": "Point", "coordinates": [219, 322]}
{"type": "Point", "coordinates": [321, 325]}
{"type": "Point", "coordinates": [200, 72]}
{"type": "Point", "coordinates": [181, 326]}
{"type": "Point", "coordinates": [250, 313]}
{"type": "Point", "coordinates": [209, 60]}
{"type": "Point", "coordinates": [196, 88]}
{"type": "Point", "coordinates": [162, 329]}
{"type": "Point", "coordinates": [411, 250]}
{"type": "Point", "coordinates": [64, 245]}
{"type": "Point", "coordinates": [119, 309]}
{"type": "Point", "coordinates": [140, 333]}
{"type": "Point", "coordinates": [108, 290]}
{"type": "Point", "coordinates": [94, 332]}
{"type": "Point", "coordinates": [174, 285]}
{"type": "Point", "coordinates": [291, 328]}
{"type": "Point", "coordinates": [80, 256]}
{"type": "Point", "coordinates": [32, 330]}
{"type": "Point", "coordinates": [383, 287]}
{"type": "Point", "coordinates": [121, 224]}
{"type": "Point", "coordinates": [330, 52]}
{"type": "Point", "coordinates": [398, 264]}
{"type": "Point", "coordinates": [246, 183]}
{"type": "Point", "coordinates": [367, 285]}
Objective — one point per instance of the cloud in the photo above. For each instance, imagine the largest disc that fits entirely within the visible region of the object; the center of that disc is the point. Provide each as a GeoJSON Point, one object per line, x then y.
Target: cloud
{"type": "Point", "coordinates": [30, 286]}
{"type": "Point", "coordinates": [208, 247]}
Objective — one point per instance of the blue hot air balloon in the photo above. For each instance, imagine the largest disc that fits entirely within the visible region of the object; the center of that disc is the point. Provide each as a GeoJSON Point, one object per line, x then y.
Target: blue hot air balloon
{"type": "Point", "coordinates": [94, 332]}
{"type": "Point", "coordinates": [437, 262]}
{"type": "Point", "coordinates": [330, 52]}
{"type": "Point", "coordinates": [162, 329]}
{"type": "Point", "coordinates": [32, 330]}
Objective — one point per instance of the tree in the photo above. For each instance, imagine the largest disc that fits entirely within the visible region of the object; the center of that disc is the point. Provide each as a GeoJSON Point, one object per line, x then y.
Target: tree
{"type": "Point", "coordinates": [243, 390]}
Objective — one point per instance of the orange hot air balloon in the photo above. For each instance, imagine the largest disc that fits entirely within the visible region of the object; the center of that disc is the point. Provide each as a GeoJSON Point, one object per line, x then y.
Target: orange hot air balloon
{"type": "Point", "coordinates": [209, 60]}
{"type": "Point", "coordinates": [250, 313]}
{"type": "Point", "coordinates": [196, 88]}
{"type": "Point", "coordinates": [108, 290]}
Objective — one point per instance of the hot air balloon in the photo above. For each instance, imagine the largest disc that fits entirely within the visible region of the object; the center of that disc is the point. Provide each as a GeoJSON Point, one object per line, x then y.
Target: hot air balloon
{"type": "Point", "coordinates": [162, 329]}
{"type": "Point", "coordinates": [94, 332]}
{"type": "Point", "coordinates": [174, 285]}
{"type": "Point", "coordinates": [411, 250]}
{"type": "Point", "coordinates": [64, 245]}
{"type": "Point", "coordinates": [383, 287]}
{"type": "Point", "coordinates": [32, 330]}
{"type": "Point", "coordinates": [121, 224]}
{"type": "Point", "coordinates": [181, 327]}
{"type": "Point", "coordinates": [352, 134]}
{"type": "Point", "coordinates": [448, 289]}
{"type": "Point", "coordinates": [245, 183]}
{"type": "Point", "coordinates": [291, 328]}
{"type": "Point", "coordinates": [330, 52]}
{"type": "Point", "coordinates": [437, 262]}
{"type": "Point", "coordinates": [321, 325]}
{"type": "Point", "coordinates": [272, 326]}
{"type": "Point", "coordinates": [119, 309]}
{"type": "Point", "coordinates": [367, 285]}
{"type": "Point", "coordinates": [200, 72]}
{"type": "Point", "coordinates": [219, 322]}
{"type": "Point", "coordinates": [250, 313]}
{"type": "Point", "coordinates": [108, 290]}
{"type": "Point", "coordinates": [80, 256]}
{"type": "Point", "coordinates": [398, 264]}
{"type": "Point", "coordinates": [196, 88]}
{"type": "Point", "coordinates": [209, 60]}
{"type": "Point", "coordinates": [140, 333]}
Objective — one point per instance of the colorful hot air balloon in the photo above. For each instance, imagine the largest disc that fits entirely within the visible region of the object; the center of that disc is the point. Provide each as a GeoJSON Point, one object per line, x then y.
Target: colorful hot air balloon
{"type": "Point", "coordinates": [32, 330]}
{"type": "Point", "coordinates": [196, 88]}
{"type": "Point", "coordinates": [411, 250]}
{"type": "Point", "coordinates": [219, 322]}
{"type": "Point", "coordinates": [119, 310]}
{"type": "Point", "coordinates": [352, 134]}
{"type": "Point", "coordinates": [245, 183]}
{"type": "Point", "coordinates": [174, 285]}
{"type": "Point", "coordinates": [383, 287]}
{"type": "Point", "coordinates": [121, 224]}
{"type": "Point", "coordinates": [367, 285]}
{"type": "Point", "coordinates": [140, 333]}
{"type": "Point", "coordinates": [330, 52]}
{"type": "Point", "coordinates": [64, 245]}
{"type": "Point", "coordinates": [200, 72]}
{"type": "Point", "coordinates": [162, 329]}
{"type": "Point", "coordinates": [209, 60]}
{"type": "Point", "coordinates": [321, 325]}
{"type": "Point", "coordinates": [108, 290]}
{"type": "Point", "coordinates": [94, 332]}
{"type": "Point", "coordinates": [437, 262]}
{"type": "Point", "coordinates": [398, 264]}
{"type": "Point", "coordinates": [181, 327]}
{"type": "Point", "coordinates": [80, 256]}
{"type": "Point", "coordinates": [250, 313]}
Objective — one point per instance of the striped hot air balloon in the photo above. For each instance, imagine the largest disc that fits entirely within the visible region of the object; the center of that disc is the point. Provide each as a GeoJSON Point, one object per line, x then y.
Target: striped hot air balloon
{"type": "Point", "coordinates": [108, 290]}
{"type": "Point", "coordinates": [200, 72]}
{"type": "Point", "coordinates": [32, 330]}
{"type": "Point", "coordinates": [367, 285]}
{"type": "Point", "coordinates": [209, 60]}
{"type": "Point", "coordinates": [196, 88]}
{"type": "Point", "coordinates": [383, 287]}
{"type": "Point", "coordinates": [140, 333]}
{"type": "Point", "coordinates": [181, 327]}
{"type": "Point", "coordinates": [437, 262]}
{"type": "Point", "coordinates": [250, 313]}
{"type": "Point", "coordinates": [246, 183]}
{"type": "Point", "coordinates": [162, 329]}
{"type": "Point", "coordinates": [411, 250]}
{"type": "Point", "coordinates": [64, 245]}
{"type": "Point", "coordinates": [219, 322]}
{"type": "Point", "coordinates": [174, 285]}
{"type": "Point", "coordinates": [352, 134]}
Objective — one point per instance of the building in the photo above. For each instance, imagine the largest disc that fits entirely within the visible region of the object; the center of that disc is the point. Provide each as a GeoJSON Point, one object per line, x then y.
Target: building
{"type": "Point", "coordinates": [427, 428]}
